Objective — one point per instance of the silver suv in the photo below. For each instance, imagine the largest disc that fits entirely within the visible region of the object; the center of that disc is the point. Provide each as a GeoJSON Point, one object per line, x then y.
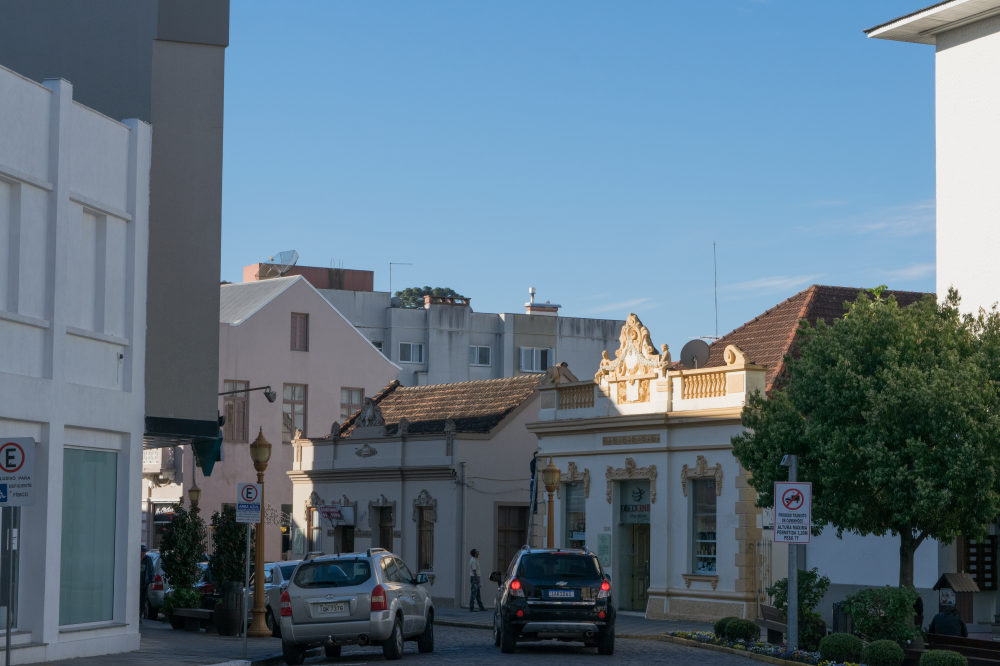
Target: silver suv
{"type": "Point", "coordinates": [368, 598]}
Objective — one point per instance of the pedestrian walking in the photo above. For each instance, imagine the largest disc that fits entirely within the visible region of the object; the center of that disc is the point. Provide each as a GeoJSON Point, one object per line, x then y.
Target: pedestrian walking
{"type": "Point", "coordinates": [145, 578]}
{"type": "Point", "coordinates": [476, 582]}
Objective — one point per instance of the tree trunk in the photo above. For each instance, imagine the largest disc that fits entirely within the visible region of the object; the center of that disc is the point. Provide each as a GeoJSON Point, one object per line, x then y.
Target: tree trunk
{"type": "Point", "coordinates": [908, 545]}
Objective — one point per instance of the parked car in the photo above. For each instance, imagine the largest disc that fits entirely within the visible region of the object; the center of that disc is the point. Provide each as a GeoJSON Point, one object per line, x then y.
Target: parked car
{"type": "Point", "coordinates": [155, 591]}
{"type": "Point", "coordinates": [368, 598]}
{"type": "Point", "coordinates": [559, 595]}
{"type": "Point", "coordinates": [276, 577]}
{"type": "Point", "coordinates": [210, 595]}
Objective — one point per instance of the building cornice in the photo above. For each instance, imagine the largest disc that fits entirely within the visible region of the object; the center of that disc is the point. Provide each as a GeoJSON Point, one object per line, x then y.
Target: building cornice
{"type": "Point", "coordinates": [370, 474]}
{"type": "Point", "coordinates": [623, 422]}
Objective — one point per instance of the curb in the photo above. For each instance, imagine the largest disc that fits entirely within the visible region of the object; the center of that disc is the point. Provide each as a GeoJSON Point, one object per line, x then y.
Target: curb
{"type": "Point", "coordinates": [267, 660]}
{"type": "Point", "coordinates": [717, 648]}
{"type": "Point", "coordinates": [459, 623]}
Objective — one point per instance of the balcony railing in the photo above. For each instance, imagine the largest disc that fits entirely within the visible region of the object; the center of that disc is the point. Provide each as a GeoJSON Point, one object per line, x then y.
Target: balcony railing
{"type": "Point", "coordinates": [576, 397]}
{"type": "Point", "coordinates": [708, 385]}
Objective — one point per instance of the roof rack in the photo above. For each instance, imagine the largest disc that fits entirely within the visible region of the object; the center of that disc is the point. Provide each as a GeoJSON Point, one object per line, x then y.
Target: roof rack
{"type": "Point", "coordinates": [369, 552]}
{"type": "Point", "coordinates": [312, 555]}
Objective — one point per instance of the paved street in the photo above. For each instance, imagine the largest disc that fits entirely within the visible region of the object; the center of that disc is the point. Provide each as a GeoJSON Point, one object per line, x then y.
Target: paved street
{"type": "Point", "coordinates": [162, 646]}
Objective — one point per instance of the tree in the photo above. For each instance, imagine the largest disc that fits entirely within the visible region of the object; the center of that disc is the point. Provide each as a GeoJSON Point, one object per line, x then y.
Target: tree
{"type": "Point", "coordinates": [229, 538]}
{"type": "Point", "coordinates": [182, 547]}
{"type": "Point", "coordinates": [894, 415]}
{"type": "Point", "coordinates": [414, 297]}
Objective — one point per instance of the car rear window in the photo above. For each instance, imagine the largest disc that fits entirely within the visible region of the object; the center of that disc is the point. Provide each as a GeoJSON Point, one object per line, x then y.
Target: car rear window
{"type": "Point", "coordinates": [287, 570]}
{"type": "Point", "coordinates": [544, 566]}
{"type": "Point", "coordinates": [332, 573]}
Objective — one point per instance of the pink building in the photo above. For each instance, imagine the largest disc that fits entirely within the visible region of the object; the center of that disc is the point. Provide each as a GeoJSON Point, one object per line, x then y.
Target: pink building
{"type": "Point", "coordinates": [282, 333]}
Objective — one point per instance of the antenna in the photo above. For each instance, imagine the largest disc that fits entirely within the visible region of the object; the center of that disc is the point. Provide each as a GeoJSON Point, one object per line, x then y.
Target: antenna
{"type": "Point", "coordinates": [715, 273]}
{"type": "Point", "coordinates": [280, 264]}
{"type": "Point", "coordinates": [695, 353]}
{"type": "Point", "coordinates": [391, 264]}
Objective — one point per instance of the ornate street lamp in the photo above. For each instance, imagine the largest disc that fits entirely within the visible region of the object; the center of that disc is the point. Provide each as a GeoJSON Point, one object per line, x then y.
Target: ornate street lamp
{"type": "Point", "coordinates": [550, 477]}
{"type": "Point", "coordinates": [260, 453]}
{"type": "Point", "coordinates": [194, 494]}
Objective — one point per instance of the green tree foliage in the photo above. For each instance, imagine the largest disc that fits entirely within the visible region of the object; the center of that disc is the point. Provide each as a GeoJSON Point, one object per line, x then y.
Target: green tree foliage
{"type": "Point", "coordinates": [888, 410]}
{"type": "Point", "coordinates": [414, 297]}
{"type": "Point", "coordinates": [883, 613]}
{"type": "Point", "coordinates": [229, 542]}
{"type": "Point", "coordinates": [812, 588]}
{"type": "Point", "coordinates": [182, 546]}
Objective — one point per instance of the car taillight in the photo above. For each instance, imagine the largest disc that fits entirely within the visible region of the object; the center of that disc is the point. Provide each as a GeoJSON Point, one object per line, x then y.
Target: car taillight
{"type": "Point", "coordinates": [378, 599]}
{"type": "Point", "coordinates": [208, 588]}
{"type": "Point", "coordinates": [605, 590]}
{"type": "Point", "coordinates": [515, 588]}
{"type": "Point", "coordinates": [158, 583]}
{"type": "Point", "coordinates": [286, 604]}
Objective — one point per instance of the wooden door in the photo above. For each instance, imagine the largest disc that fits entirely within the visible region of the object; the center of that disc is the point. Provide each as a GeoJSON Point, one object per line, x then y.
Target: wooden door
{"type": "Point", "coordinates": [638, 567]}
{"type": "Point", "coordinates": [512, 533]}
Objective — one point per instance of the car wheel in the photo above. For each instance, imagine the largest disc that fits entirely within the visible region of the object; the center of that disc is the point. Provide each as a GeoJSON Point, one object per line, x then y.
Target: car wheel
{"type": "Point", "coordinates": [508, 638]}
{"type": "Point", "coordinates": [272, 624]}
{"type": "Point", "coordinates": [425, 641]}
{"type": "Point", "coordinates": [332, 651]}
{"type": "Point", "coordinates": [392, 648]}
{"type": "Point", "coordinates": [294, 654]}
{"type": "Point", "coordinates": [606, 643]}
{"type": "Point", "coordinates": [496, 626]}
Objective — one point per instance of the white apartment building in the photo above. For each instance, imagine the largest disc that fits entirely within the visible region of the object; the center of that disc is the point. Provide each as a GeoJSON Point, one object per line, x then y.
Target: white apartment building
{"type": "Point", "coordinates": [966, 38]}
{"type": "Point", "coordinates": [74, 230]}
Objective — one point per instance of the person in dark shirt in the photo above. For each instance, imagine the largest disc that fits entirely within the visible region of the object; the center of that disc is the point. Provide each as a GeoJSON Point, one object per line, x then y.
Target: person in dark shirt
{"type": "Point", "coordinates": [948, 623]}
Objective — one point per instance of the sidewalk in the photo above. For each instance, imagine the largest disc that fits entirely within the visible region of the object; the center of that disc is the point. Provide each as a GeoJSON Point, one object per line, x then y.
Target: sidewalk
{"type": "Point", "coordinates": [627, 623]}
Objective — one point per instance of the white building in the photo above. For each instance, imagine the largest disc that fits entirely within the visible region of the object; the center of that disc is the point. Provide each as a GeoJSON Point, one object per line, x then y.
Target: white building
{"type": "Point", "coordinates": [74, 200]}
{"type": "Point", "coordinates": [966, 38]}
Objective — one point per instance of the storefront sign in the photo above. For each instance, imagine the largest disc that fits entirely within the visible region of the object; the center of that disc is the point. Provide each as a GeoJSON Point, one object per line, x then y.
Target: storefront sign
{"type": "Point", "coordinates": [792, 512]}
{"type": "Point", "coordinates": [17, 470]}
{"type": "Point", "coordinates": [248, 503]}
{"type": "Point", "coordinates": [634, 502]}
{"type": "Point", "coordinates": [604, 549]}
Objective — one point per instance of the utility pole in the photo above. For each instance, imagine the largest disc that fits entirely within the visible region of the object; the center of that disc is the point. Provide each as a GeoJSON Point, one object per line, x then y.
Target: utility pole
{"type": "Point", "coordinates": [793, 569]}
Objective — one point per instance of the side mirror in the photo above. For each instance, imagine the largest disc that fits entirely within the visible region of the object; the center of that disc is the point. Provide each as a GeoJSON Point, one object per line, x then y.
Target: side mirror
{"type": "Point", "coordinates": [495, 576]}
{"type": "Point", "coordinates": [421, 579]}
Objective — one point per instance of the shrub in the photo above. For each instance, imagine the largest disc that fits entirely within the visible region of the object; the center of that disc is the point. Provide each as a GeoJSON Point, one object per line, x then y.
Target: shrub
{"type": "Point", "coordinates": [182, 547]}
{"type": "Point", "coordinates": [186, 597]}
{"type": "Point", "coordinates": [943, 658]}
{"type": "Point", "coordinates": [742, 630]}
{"type": "Point", "coordinates": [882, 653]}
{"type": "Point", "coordinates": [883, 613]}
{"type": "Point", "coordinates": [228, 563]}
{"type": "Point", "coordinates": [812, 588]}
{"type": "Point", "coordinates": [720, 626]}
{"type": "Point", "coordinates": [841, 648]}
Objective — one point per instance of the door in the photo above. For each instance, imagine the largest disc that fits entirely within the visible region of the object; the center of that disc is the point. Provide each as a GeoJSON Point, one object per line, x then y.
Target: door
{"type": "Point", "coordinates": [418, 597]}
{"type": "Point", "coordinates": [385, 528]}
{"type": "Point", "coordinates": [512, 534]}
{"type": "Point", "coordinates": [396, 588]}
{"type": "Point", "coordinates": [639, 567]}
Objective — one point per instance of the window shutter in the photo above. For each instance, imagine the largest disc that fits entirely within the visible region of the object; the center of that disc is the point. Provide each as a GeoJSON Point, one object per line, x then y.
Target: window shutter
{"type": "Point", "coordinates": [228, 430]}
{"type": "Point", "coordinates": [295, 332]}
{"type": "Point", "coordinates": [240, 420]}
{"type": "Point", "coordinates": [304, 332]}
{"type": "Point", "coordinates": [520, 362]}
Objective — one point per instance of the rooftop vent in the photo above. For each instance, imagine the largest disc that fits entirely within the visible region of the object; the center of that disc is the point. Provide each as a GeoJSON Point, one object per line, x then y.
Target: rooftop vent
{"type": "Point", "coordinates": [546, 308]}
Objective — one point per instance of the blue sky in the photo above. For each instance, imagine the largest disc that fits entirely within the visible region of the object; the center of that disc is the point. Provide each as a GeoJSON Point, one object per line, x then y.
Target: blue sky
{"type": "Point", "coordinates": [592, 150]}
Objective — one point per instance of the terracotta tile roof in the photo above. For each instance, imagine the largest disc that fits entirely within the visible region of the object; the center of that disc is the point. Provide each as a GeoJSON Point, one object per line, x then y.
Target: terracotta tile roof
{"type": "Point", "coordinates": [476, 407]}
{"type": "Point", "coordinates": [770, 336]}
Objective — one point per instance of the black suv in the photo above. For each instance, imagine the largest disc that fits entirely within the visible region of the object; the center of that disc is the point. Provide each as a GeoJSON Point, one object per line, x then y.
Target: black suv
{"type": "Point", "coordinates": [554, 594]}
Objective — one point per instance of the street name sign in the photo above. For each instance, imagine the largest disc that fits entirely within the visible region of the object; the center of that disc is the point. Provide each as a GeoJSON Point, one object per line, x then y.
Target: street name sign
{"type": "Point", "coordinates": [248, 503]}
{"type": "Point", "coordinates": [792, 512]}
{"type": "Point", "coordinates": [17, 471]}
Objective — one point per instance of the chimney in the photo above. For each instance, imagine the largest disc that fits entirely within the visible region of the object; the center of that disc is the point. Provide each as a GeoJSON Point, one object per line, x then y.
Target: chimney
{"type": "Point", "coordinates": [546, 308]}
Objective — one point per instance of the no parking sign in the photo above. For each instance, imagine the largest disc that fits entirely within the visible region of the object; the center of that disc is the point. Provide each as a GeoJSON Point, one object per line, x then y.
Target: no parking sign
{"type": "Point", "coordinates": [792, 512]}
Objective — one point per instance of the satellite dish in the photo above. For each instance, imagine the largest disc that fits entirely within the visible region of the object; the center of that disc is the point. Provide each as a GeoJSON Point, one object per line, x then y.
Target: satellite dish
{"type": "Point", "coordinates": [694, 355]}
{"type": "Point", "coordinates": [280, 264]}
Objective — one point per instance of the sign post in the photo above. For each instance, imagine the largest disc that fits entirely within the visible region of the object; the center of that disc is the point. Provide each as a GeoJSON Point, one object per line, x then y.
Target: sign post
{"type": "Point", "coordinates": [793, 525]}
{"type": "Point", "coordinates": [247, 511]}
{"type": "Point", "coordinates": [17, 489]}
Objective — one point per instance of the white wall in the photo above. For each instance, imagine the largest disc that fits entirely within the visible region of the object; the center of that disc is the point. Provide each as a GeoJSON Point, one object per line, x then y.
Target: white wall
{"type": "Point", "coordinates": [74, 200]}
{"type": "Point", "coordinates": [968, 162]}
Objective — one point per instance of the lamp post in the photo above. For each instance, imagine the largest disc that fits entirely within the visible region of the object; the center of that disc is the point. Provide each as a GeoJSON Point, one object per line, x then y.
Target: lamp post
{"type": "Point", "coordinates": [550, 476]}
{"type": "Point", "coordinates": [194, 494]}
{"type": "Point", "coordinates": [260, 452]}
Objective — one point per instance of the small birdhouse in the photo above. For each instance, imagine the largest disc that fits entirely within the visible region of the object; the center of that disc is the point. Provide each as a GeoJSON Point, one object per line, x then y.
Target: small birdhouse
{"type": "Point", "coordinates": [956, 589]}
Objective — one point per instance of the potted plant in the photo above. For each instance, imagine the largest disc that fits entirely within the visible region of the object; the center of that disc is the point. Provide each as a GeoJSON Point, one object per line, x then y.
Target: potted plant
{"type": "Point", "coordinates": [182, 546]}
{"type": "Point", "coordinates": [812, 588]}
{"type": "Point", "coordinates": [228, 567]}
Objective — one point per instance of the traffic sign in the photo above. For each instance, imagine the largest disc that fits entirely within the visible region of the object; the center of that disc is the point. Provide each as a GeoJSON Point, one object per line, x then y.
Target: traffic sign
{"type": "Point", "coordinates": [17, 471]}
{"type": "Point", "coordinates": [792, 512]}
{"type": "Point", "coordinates": [248, 503]}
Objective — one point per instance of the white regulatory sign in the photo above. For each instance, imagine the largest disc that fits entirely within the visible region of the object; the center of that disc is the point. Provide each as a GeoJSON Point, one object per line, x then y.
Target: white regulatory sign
{"type": "Point", "coordinates": [17, 471]}
{"type": "Point", "coordinates": [248, 503]}
{"type": "Point", "coordinates": [792, 512]}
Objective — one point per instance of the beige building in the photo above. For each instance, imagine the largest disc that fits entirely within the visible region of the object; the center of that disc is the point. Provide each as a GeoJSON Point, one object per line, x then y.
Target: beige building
{"type": "Point", "coordinates": [427, 472]}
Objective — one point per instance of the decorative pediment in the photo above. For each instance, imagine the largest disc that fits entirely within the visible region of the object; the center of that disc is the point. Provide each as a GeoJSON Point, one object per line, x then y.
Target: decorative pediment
{"type": "Point", "coordinates": [366, 451]}
{"type": "Point", "coordinates": [635, 355]}
{"type": "Point", "coordinates": [314, 501]}
{"type": "Point", "coordinates": [702, 471]}
{"type": "Point", "coordinates": [424, 500]}
{"type": "Point", "coordinates": [370, 416]}
{"type": "Point", "coordinates": [630, 471]}
{"type": "Point", "coordinates": [572, 475]}
{"type": "Point", "coordinates": [557, 374]}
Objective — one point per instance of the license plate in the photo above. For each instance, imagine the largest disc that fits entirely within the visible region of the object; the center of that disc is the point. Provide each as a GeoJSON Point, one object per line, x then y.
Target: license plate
{"type": "Point", "coordinates": [561, 594]}
{"type": "Point", "coordinates": [331, 608]}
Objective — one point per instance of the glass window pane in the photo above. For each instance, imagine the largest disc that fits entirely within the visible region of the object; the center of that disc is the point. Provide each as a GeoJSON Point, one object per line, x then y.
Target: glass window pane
{"type": "Point", "coordinates": [356, 397]}
{"type": "Point", "coordinates": [418, 353]}
{"type": "Point", "coordinates": [287, 393]}
{"type": "Point", "coordinates": [345, 413]}
{"type": "Point", "coordinates": [345, 395]}
{"type": "Point", "coordinates": [703, 526]}
{"type": "Point", "coordinates": [86, 581]}
{"type": "Point", "coordinates": [576, 515]}
{"type": "Point", "coordinates": [484, 356]}
{"type": "Point", "coordinates": [404, 351]}
{"type": "Point", "coordinates": [300, 392]}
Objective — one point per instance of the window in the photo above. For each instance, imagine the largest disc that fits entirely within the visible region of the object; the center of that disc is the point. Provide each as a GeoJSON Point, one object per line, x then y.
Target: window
{"type": "Point", "coordinates": [404, 572]}
{"type": "Point", "coordinates": [378, 345]}
{"type": "Point", "coordinates": [294, 414]}
{"type": "Point", "coordinates": [534, 359]}
{"type": "Point", "coordinates": [512, 533]}
{"type": "Point", "coordinates": [411, 352]}
{"type": "Point", "coordinates": [703, 525]}
{"type": "Point", "coordinates": [333, 573]}
{"type": "Point", "coordinates": [347, 539]}
{"type": "Point", "coordinates": [87, 569]}
{"type": "Point", "coordinates": [385, 528]}
{"type": "Point", "coordinates": [286, 531]}
{"type": "Point", "coordinates": [576, 516]}
{"type": "Point", "coordinates": [425, 538]}
{"type": "Point", "coordinates": [350, 402]}
{"type": "Point", "coordinates": [235, 408]}
{"type": "Point", "coordinates": [479, 355]}
{"type": "Point", "coordinates": [300, 332]}
{"type": "Point", "coordinates": [315, 530]}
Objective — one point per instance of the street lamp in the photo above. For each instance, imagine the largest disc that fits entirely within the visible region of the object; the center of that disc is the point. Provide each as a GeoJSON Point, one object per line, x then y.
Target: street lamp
{"type": "Point", "coordinates": [550, 477]}
{"type": "Point", "coordinates": [260, 453]}
{"type": "Point", "coordinates": [194, 494]}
